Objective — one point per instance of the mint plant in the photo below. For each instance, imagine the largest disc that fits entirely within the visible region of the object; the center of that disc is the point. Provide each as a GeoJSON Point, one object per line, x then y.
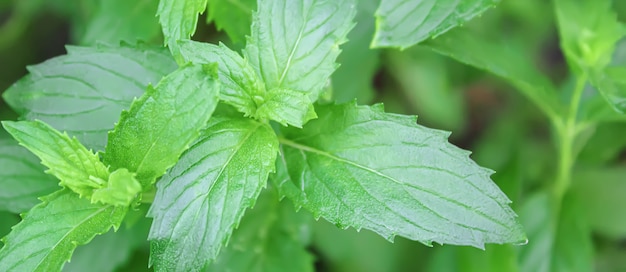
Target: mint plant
{"type": "Point", "coordinates": [214, 127]}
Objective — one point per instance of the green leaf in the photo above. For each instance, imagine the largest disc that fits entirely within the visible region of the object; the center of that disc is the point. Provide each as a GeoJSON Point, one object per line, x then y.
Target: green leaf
{"type": "Point", "coordinates": [84, 91]}
{"type": "Point", "coordinates": [294, 44]}
{"type": "Point", "coordinates": [361, 167]}
{"type": "Point", "coordinates": [561, 242]}
{"type": "Point", "coordinates": [268, 239]}
{"type": "Point", "coordinates": [121, 20]}
{"type": "Point", "coordinates": [588, 32]}
{"type": "Point", "coordinates": [179, 19]}
{"type": "Point", "coordinates": [241, 87]}
{"type": "Point", "coordinates": [603, 191]}
{"type": "Point", "coordinates": [503, 60]}
{"type": "Point", "coordinates": [355, 77]}
{"type": "Point", "coordinates": [159, 126]}
{"type": "Point", "coordinates": [234, 17]}
{"type": "Point", "coordinates": [22, 178]}
{"type": "Point", "coordinates": [611, 83]}
{"type": "Point", "coordinates": [287, 107]}
{"type": "Point", "coordinates": [110, 251]}
{"type": "Point", "coordinates": [200, 201]}
{"type": "Point", "coordinates": [49, 233]}
{"type": "Point", "coordinates": [76, 167]}
{"type": "Point", "coordinates": [403, 23]}
{"type": "Point", "coordinates": [122, 188]}
{"type": "Point", "coordinates": [494, 258]}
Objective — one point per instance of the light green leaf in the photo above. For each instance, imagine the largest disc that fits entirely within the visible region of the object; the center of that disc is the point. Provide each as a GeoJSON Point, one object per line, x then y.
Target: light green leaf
{"type": "Point", "coordinates": [603, 191]}
{"type": "Point", "coordinates": [495, 258]}
{"type": "Point", "coordinates": [159, 126]}
{"type": "Point", "coordinates": [403, 23]}
{"type": "Point", "coordinates": [294, 44]}
{"type": "Point", "coordinates": [201, 200]}
{"type": "Point", "coordinates": [560, 242]}
{"type": "Point", "coordinates": [287, 107]}
{"type": "Point", "coordinates": [355, 77]}
{"type": "Point", "coordinates": [49, 233]}
{"type": "Point", "coordinates": [122, 20]}
{"type": "Point", "coordinates": [76, 167]}
{"type": "Point", "coordinates": [269, 238]}
{"type": "Point", "coordinates": [233, 16]}
{"type": "Point", "coordinates": [110, 251]}
{"type": "Point", "coordinates": [589, 30]}
{"type": "Point", "coordinates": [611, 83]}
{"type": "Point", "coordinates": [84, 91]}
{"type": "Point", "coordinates": [241, 87]}
{"type": "Point", "coordinates": [22, 178]}
{"type": "Point", "coordinates": [361, 167]}
{"type": "Point", "coordinates": [501, 59]}
{"type": "Point", "coordinates": [179, 19]}
{"type": "Point", "coordinates": [121, 189]}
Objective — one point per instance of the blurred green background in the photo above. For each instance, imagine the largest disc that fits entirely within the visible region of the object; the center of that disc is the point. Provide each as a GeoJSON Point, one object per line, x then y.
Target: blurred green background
{"type": "Point", "coordinates": [485, 114]}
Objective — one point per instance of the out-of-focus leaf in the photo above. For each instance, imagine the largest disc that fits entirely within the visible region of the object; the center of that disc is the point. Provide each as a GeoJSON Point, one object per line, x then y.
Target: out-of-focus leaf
{"type": "Point", "coordinates": [403, 23]}
{"type": "Point", "coordinates": [604, 146]}
{"type": "Point", "coordinates": [603, 190]}
{"type": "Point", "coordinates": [494, 258]}
{"type": "Point", "coordinates": [611, 82]}
{"type": "Point", "coordinates": [234, 17]}
{"type": "Point", "coordinates": [122, 20]}
{"type": "Point", "coordinates": [84, 92]}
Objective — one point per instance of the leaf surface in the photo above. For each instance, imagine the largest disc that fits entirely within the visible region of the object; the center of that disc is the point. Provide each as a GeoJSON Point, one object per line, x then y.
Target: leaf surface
{"type": "Point", "coordinates": [49, 233]}
{"type": "Point", "coordinates": [241, 86]}
{"type": "Point", "coordinates": [503, 60]}
{"type": "Point", "coordinates": [358, 166]}
{"type": "Point", "coordinates": [67, 159]}
{"type": "Point", "coordinates": [121, 20]}
{"type": "Point", "coordinates": [233, 16]}
{"type": "Point", "coordinates": [160, 125]}
{"type": "Point", "coordinates": [294, 44]}
{"type": "Point", "coordinates": [84, 91]}
{"type": "Point", "coordinates": [403, 23]}
{"type": "Point", "coordinates": [22, 178]}
{"type": "Point", "coordinates": [179, 19]}
{"type": "Point", "coordinates": [269, 238]}
{"type": "Point", "coordinates": [202, 199]}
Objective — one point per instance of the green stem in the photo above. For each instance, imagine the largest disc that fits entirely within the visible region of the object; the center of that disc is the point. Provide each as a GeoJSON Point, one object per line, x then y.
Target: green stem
{"type": "Point", "coordinates": [568, 130]}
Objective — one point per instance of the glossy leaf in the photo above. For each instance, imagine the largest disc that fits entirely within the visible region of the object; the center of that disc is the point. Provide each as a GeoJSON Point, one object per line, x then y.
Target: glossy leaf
{"type": "Point", "coordinates": [234, 17]}
{"type": "Point", "coordinates": [294, 44]}
{"type": "Point", "coordinates": [49, 233]}
{"type": "Point", "coordinates": [84, 91]}
{"type": "Point", "coordinates": [403, 23]}
{"type": "Point", "coordinates": [159, 126]}
{"type": "Point", "coordinates": [502, 60]}
{"type": "Point", "coordinates": [22, 178]}
{"type": "Point", "coordinates": [76, 167]}
{"type": "Point", "coordinates": [358, 166]}
{"type": "Point", "coordinates": [179, 19]}
{"type": "Point", "coordinates": [269, 238]}
{"type": "Point", "coordinates": [121, 20]}
{"type": "Point", "coordinates": [241, 86]}
{"type": "Point", "coordinates": [202, 199]}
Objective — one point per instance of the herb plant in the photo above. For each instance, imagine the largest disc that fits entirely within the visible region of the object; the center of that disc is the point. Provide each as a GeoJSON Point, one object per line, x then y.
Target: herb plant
{"type": "Point", "coordinates": [220, 154]}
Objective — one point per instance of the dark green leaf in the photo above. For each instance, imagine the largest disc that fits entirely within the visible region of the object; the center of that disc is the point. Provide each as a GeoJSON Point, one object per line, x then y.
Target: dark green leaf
{"type": "Point", "coordinates": [22, 178]}
{"type": "Point", "coordinates": [67, 159]}
{"type": "Point", "coordinates": [84, 91]}
{"type": "Point", "coordinates": [268, 239]}
{"type": "Point", "coordinates": [49, 233]}
{"type": "Point", "coordinates": [201, 200]}
{"type": "Point", "coordinates": [234, 17]}
{"type": "Point", "coordinates": [503, 60]}
{"type": "Point", "coordinates": [358, 166]}
{"type": "Point", "coordinates": [122, 20]}
{"type": "Point", "coordinates": [403, 23]}
{"type": "Point", "coordinates": [158, 127]}
{"type": "Point", "coordinates": [241, 86]}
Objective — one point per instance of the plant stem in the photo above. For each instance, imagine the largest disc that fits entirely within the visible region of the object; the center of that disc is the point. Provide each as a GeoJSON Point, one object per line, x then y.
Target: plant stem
{"type": "Point", "coordinates": [567, 132]}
